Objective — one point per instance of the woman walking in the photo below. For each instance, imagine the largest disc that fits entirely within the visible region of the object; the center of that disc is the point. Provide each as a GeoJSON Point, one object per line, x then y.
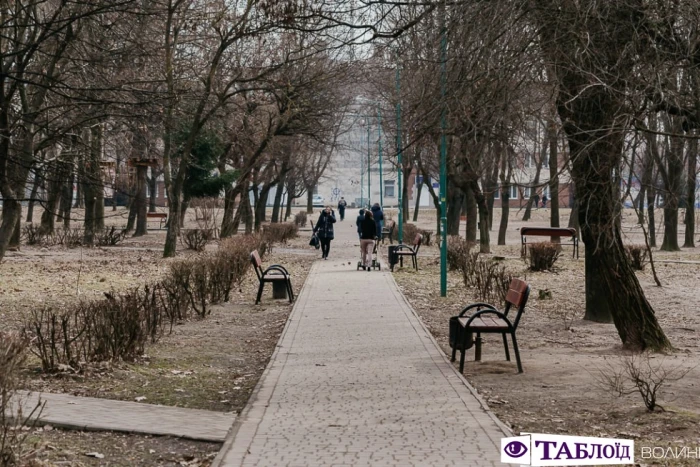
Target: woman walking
{"type": "Point", "coordinates": [324, 230]}
{"type": "Point", "coordinates": [368, 232]}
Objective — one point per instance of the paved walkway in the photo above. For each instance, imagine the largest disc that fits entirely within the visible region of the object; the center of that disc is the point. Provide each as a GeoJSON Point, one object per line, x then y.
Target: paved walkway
{"type": "Point", "coordinates": [89, 413]}
{"type": "Point", "coordinates": [357, 380]}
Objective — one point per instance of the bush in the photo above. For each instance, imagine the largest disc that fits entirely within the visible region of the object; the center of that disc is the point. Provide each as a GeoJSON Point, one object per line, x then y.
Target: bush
{"type": "Point", "coordinates": [489, 278]}
{"type": "Point", "coordinates": [458, 250]}
{"type": "Point", "coordinates": [543, 255]}
{"type": "Point", "coordinates": [637, 255]}
{"type": "Point", "coordinates": [115, 328]}
{"type": "Point", "coordinates": [13, 352]}
{"type": "Point", "coordinates": [300, 219]}
{"type": "Point", "coordinates": [32, 234]}
{"type": "Point", "coordinates": [196, 239]}
{"type": "Point", "coordinates": [109, 236]}
{"type": "Point", "coordinates": [280, 232]}
{"type": "Point", "coordinates": [411, 230]}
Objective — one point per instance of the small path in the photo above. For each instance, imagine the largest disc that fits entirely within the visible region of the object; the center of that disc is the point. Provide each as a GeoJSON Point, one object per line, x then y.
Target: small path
{"type": "Point", "coordinates": [357, 380]}
{"type": "Point", "coordinates": [89, 413]}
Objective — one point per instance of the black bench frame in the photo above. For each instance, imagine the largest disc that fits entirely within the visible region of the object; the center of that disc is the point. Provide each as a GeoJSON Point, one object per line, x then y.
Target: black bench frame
{"type": "Point", "coordinates": [273, 273]}
{"type": "Point", "coordinates": [548, 232]}
{"type": "Point", "coordinates": [389, 232]}
{"type": "Point", "coordinates": [489, 320]}
{"type": "Point", "coordinates": [158, 215]}
{"type": "Point", "coordinates": [402, 250]}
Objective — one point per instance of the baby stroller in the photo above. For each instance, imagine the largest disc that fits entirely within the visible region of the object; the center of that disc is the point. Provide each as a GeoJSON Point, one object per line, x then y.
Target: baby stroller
{"type": "Point", "coordinates": [375, 258]}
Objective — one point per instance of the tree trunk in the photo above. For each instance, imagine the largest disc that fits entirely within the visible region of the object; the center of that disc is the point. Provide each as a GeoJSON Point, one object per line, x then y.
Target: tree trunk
{"type": "Point", "coordinates": [553, 176]}
{"type": "Point", "coordinates": [261, 206]}
{"type": "Point", "coordinates": [536, 182]}
{"type": "Point", "coordinates": [505, 211]}
{"type": "Point", "coordinates": [674, 171]}
{"type": "Point", "coordinates": [11, 215]}
{"type": "Point", "coordinates": [141, 201]}
{"type": "Point", "coordinates": [291, 189]}
{"type": "Point", "coordinates": [174, 208]}
{"type": "Point", "coordinates": [247, 214]}
{"type": "Point", "coordinates": [573, 218]}
{"type": "Point", "coordinates": [419, 190]}
{"type": "Point", "coordinates": [87, 181]}
{"type": "Point", "coordinates": [472, 213]}
{"type": "Point", "coordinates": [651, 204]}
{"type": "Point", "coordinates": [227, 224]}
{"type": "Point", "coordinates": [67, 199]}
{"type": "Point", "coordinates": [277, 207]}
{"type": "Point", "coordinates": [455, 198]}
{"type": "Point", "coordinates": [309, 200]}
{"type": "Point", "coordinates": [404, 194]}
{"type": "Point", "coordinates": [690, 194]}
{"type": "Point", "coordinates": [58, 170]}
{"type": "Point", "coordinates": [152, 187]}
{"type": "Point", "coordinates": [32, 198]}
{"type": "Point", "coordinates": [484, 235]}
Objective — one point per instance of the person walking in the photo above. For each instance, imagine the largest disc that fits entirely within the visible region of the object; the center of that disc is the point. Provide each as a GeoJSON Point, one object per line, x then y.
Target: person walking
{"type": "Point", "coordinates": [342, 204]}
{"type": "Point", "coordinates": [536, 199]}
{"type": "Point", "coordinates": [378, 215]}
{"type": "Point", "coordinates": [358, 222]}
{"type": "Point", "coordinates": [368, 232]}
{"type": "Point", "coordinates": [324, 230]}
{"type": "Point", "coordinates": [544, 200]}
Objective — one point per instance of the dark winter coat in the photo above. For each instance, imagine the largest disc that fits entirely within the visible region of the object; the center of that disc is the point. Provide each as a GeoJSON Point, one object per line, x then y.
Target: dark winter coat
{"type": "Point", "coordinates": [378, 216]}
{"type": "Point", "coordinates": [324, 226]}
{"type": "Point", "coordinates": [368, 229]}
{"type": "Point", "coordinates": [358, 221]}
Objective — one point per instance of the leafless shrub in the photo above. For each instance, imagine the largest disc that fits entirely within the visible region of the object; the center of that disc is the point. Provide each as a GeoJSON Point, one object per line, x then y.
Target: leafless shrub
{"type": "Point", "coordinates": [114, 328]}
{"type": "Point", "coordinates": [109, 236]}
{"type": "Point", "coordinates": [543, 255]}
{"type": "Point", "coordinates": [637, 255]}
{"type": "Point", "coordinates": [196, 239]}
{"type": "Point", "coordinates": [32, 234]}
{"type": "Point", "coordinates": [280, 232]}
{"type": "Point", "coordinates": [206, 212]}
{"type": "Point", "coordinates": [410, 231]}
{"type": "Point", "coordinates": [458, 249]}
{"type": "Point", "coordinates": [489, 279]}
{"type": "Point", "coordinates": [300, 219]}
{"type": "Point", "coordinates": [641, 373]}
{"type": "Point", "coordinates": [13, 417]}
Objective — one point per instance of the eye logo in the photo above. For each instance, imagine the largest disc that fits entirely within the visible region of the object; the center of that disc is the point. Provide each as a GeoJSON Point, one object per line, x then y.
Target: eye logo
{"type": "Point", "coordinates": [515, 449]}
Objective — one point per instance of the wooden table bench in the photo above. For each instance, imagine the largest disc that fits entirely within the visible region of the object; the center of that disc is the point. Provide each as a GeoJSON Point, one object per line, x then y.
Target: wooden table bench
{"type": "Point", "coordinates": [162, 216]}
{"type": "Point", "coordinates": [548, 232]}
{"type": "Point", "coordinates": [489, 320]}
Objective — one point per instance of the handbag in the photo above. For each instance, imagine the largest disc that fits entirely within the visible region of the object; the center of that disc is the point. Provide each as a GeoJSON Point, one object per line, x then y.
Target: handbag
{"type": "Point", "coordinates": [314, 242]}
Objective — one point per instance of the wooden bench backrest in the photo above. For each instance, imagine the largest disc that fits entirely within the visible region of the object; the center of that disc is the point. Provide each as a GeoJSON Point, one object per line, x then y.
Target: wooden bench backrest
{"type": "Point", "coordinates": [417, 242]}
{"type": "Point", "coordinates": [257, 263]}
{"type": "Point", "coordinates": [518, 293]}
{"type": "Point", "coordinates": [548, 231]}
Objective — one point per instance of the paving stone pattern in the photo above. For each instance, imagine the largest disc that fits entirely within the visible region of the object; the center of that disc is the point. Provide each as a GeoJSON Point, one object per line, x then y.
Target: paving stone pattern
{"type": "Point", "coordinates": [88, 413]}
{"type": "Point", "coordinates": [358, 381]}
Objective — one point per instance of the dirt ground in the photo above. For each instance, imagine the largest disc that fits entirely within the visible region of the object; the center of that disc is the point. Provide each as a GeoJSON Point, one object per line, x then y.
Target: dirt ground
{"type": "Point", "coordinates": [564, 356]}
{"type": "Point", "coordinates": [210, 364]}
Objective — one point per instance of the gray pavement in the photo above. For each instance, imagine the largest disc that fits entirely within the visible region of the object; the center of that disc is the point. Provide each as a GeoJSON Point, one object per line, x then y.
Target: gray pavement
{"type": "Point", "coordinates": [357, 380]}
{"type": "Point", "coordinates": [89, 413]}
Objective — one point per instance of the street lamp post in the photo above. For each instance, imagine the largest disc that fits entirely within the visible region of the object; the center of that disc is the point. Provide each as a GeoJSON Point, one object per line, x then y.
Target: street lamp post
{"type": "Point", "coordinates": [362, 166]}
{"type": "Point", "coordinates": [398, 149]}
{"type": "Point", "coordinates": [381, 175]}
{"type": "Point", "coordinates": [443, 157]}
{"type": "Point", "coordinates": [369, 174]}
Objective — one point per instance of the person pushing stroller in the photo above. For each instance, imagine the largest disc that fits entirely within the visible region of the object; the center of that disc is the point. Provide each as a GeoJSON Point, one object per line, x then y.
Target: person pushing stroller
{"type": "Point", "coordinates": [368, 232]}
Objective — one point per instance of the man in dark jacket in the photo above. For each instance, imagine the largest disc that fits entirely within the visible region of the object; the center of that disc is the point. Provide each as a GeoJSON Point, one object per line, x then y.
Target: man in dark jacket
{"type": "Point", "coordinates": [342, 204]}
{"type": "Point", "coordinates": [378, 215]}
{"type": "Point", "coordinates": [324, 230]}
{"type": "Point", "coordinates": [368, 232]}
{"type": "Point", "coordinates": [358, 222]}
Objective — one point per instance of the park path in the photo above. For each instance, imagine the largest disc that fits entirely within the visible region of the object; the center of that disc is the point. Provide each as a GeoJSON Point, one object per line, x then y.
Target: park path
{"type": "Point", "coordinates": [357, 380]}
{"type": "Point", "coordinates": [89, 413]}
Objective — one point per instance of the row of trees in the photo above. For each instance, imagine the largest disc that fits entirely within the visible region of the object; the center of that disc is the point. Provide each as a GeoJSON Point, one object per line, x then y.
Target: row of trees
{"type": "Point", "coordinates": [262, 88]}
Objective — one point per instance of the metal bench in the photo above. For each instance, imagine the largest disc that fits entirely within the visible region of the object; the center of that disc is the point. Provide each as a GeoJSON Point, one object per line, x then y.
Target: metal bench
{"type": "Point", "coordinates": [548, 232]}
{"type": "Point", "coordinates": [389, 232]}
{"type": "Point", "coordinates": [399, 251]}
{"type": "Point", "coordinates": [163, 217]}
{"type": "Point", "coordinates": [275, 274]}
{"type": "Point", "coordinates": [488, 319]}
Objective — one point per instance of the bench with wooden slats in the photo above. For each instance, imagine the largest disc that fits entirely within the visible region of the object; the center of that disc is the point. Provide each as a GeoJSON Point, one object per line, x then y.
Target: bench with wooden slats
{"type": "Point", "coordinates": [548, 232]}
{"type": "Point", "coordinates": [273, 274]}
{"type": "Point", "coordinates": [402, 250]}
{"type": "Point", "coordinates": [488, 319]}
